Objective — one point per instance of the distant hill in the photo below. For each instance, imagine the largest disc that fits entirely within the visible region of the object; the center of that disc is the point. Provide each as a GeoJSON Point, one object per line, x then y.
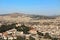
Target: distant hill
{"type": "Point", "coordinates": [12, 14]}
{"type": "Point", "coordinates": [21, 17]}
{"type": "Point", "coordinates": [32, 16]}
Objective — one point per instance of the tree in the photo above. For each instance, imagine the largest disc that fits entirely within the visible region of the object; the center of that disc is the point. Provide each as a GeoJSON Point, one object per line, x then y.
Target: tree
{"type": "Point", "coordinates": [4, 28]}
{"type": "Point", "coordinates": [20, 38]}
{"type": "Point", "coordinates": [54, 38]}
{"type": "Point", "coordinates": [47, 35]}
{"type": "Point", "coordinates": [31, 38]}
{"type": "Point", "coordinates": [23, 28]}
{"type": "Point", "coordinates": [39, 33]}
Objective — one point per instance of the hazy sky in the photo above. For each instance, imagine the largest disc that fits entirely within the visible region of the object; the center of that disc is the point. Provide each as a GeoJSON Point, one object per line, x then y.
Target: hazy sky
{"type": "Point", "coordinates": [41, 7]}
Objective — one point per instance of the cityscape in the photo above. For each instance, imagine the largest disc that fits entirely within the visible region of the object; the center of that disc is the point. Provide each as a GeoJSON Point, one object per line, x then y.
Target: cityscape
{"type": "Point", "coordinates": [29, 27]}
{"type": "Point", "coordinates": [29, 19]}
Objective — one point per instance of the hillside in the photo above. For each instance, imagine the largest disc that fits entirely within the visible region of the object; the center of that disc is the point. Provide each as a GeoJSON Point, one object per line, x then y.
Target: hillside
{"type": "Point", "coordinates": [44, 24]}
{"type": "Point", "coordinates": [21, 17]}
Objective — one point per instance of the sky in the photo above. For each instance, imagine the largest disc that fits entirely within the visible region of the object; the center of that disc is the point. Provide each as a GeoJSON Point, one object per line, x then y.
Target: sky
{"type": "Point", "coordinates": [39, 7]}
